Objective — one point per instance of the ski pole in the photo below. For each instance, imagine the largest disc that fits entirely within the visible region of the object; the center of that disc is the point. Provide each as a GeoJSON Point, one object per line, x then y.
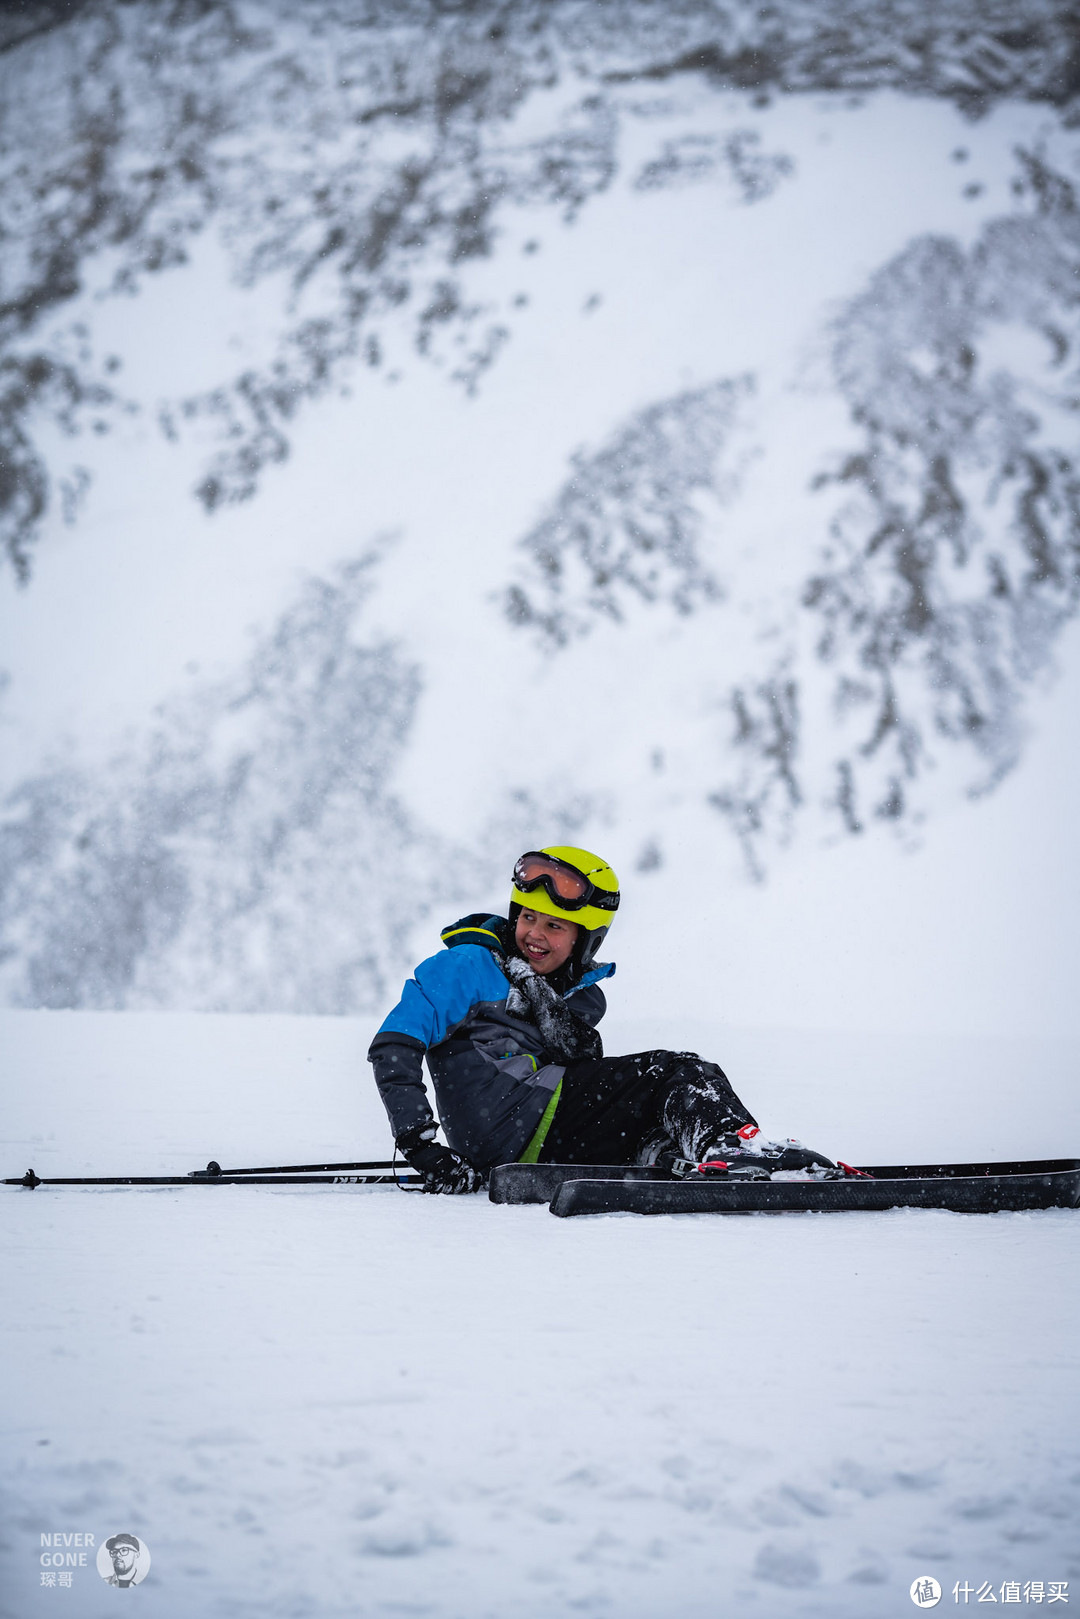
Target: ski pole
{"type": "Point", "coordinates": [213, 1169]}
{"type": "Point", "coordinates": [30, 1180]}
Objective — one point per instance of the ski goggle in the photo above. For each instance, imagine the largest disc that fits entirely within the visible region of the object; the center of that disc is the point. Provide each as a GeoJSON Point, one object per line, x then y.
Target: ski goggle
{"type": "Point", "coordinates": [567, 886]}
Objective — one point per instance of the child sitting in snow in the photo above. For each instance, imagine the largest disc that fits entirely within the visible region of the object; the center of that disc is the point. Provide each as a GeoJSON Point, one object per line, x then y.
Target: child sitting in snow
{"type": "Point", "coordinates": [507, 1016]}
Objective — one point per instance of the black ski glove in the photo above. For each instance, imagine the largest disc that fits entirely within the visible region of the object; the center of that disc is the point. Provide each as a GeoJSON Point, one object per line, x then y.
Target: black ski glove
{"type": "Point", "coordinates": [565, 1035]}
{"type": "Point", "coordinates": [441, 1169]}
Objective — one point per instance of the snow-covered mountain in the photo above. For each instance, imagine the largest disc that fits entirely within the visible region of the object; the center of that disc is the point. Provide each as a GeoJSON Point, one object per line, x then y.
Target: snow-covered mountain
{"type": "Point", "coordinates": [429, 429]}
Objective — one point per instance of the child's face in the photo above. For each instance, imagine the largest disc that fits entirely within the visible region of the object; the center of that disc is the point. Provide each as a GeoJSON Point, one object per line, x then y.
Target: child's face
{"type": "Point", "coordinates": [544, 941]}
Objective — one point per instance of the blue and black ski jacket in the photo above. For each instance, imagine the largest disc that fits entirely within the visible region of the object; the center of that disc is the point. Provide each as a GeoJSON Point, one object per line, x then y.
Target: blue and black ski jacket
{"type": "Point", "coordinates": [494, 1082]}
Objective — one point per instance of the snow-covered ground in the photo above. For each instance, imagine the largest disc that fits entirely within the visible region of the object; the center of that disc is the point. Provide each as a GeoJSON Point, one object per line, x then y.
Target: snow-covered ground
{"type": "Point", "coordinates": [349, 1401]}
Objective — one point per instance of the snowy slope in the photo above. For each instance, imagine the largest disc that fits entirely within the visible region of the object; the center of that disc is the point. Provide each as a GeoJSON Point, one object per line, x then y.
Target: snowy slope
{"type": "Point", "coordinates": [715, 309]}
{"type": "Point", "coordinates": [431, 431]}
{"type": "Point", "coordinates": [353, 1402]}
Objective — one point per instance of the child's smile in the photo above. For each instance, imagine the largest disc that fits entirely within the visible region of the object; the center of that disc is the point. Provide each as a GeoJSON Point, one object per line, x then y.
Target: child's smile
{"type": "Point", "coordinates": [544, 941]}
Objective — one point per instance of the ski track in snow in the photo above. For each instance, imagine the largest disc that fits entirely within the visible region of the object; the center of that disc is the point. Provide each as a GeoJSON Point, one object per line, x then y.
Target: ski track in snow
{"type": "Point", "coordinates": [361, 1402]}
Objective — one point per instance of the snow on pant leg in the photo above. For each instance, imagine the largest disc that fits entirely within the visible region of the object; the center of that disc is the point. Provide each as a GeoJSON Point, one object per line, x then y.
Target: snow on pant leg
{"type": "Point", "coordinates": [700, 1106]}
{"type": "Point", "coordinates": [607, 1107]}
{"type": "Point", "coordinates": [610, 1106]}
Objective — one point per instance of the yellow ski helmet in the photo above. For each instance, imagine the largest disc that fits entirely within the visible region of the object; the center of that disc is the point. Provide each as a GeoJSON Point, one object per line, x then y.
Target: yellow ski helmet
{"type": "Point", "coordinates": [569, 883]}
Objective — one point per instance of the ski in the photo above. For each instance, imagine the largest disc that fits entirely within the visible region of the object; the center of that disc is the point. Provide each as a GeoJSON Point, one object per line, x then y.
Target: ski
{"type": "Point", "coordinates": [538, 1183]}
{"type": "Point", "coordinates": [31, 1180]}
{"type": "Point", "coordinates": [972, 1188]}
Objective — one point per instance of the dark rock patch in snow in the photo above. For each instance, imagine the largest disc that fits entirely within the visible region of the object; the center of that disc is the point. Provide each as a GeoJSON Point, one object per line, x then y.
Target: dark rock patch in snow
{"type": "Point", "coordinates": [359, 157]}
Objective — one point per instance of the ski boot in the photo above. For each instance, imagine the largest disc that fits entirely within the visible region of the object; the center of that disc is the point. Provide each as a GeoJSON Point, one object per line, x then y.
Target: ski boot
{"type": "Point", "coordinates": [744, 1157]}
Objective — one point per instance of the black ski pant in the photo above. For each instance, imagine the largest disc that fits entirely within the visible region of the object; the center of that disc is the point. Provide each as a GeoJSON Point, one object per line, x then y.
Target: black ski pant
{"type": "Point", "coordinates": [610, 1108]}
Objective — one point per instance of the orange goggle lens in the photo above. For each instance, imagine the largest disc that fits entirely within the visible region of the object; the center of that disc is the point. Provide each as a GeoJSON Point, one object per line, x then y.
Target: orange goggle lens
{"type": "Point", "coordinates": [564, 883]}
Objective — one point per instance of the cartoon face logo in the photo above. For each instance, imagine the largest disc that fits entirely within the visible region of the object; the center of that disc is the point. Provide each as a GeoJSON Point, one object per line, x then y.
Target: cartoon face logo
{"type": "Point", "coordinates": [123, 1560]}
